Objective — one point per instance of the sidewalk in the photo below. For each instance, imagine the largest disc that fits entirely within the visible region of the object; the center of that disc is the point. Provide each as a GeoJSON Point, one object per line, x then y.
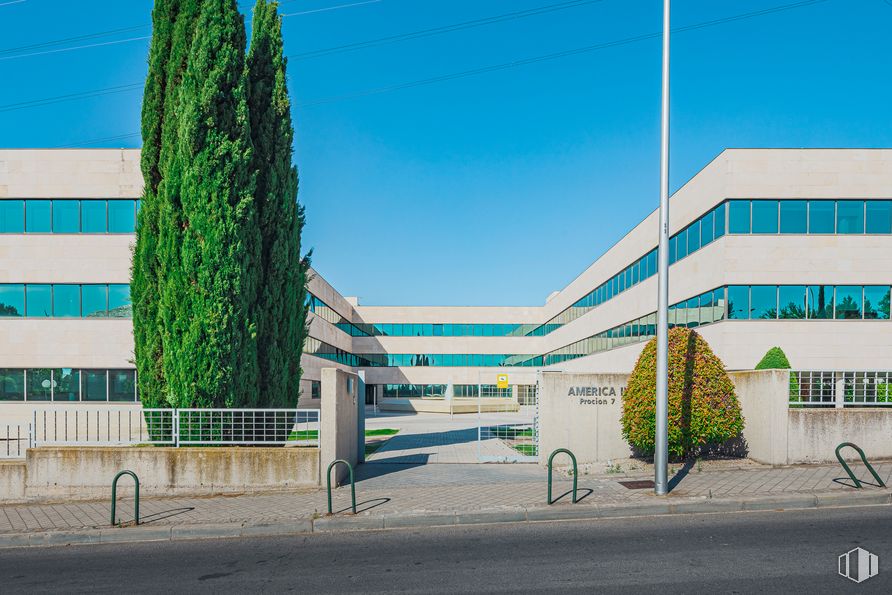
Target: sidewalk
{"type": "Point", "coordinates": [390, 496]}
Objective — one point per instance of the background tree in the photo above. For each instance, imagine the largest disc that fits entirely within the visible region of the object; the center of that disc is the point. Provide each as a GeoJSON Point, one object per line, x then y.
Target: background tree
{"type": "Point", "coordinates": [210, 354]}
{"type": "Point", "coordinates": [281, 301]}
{"type": "Point", "coordinates": [703, 409]}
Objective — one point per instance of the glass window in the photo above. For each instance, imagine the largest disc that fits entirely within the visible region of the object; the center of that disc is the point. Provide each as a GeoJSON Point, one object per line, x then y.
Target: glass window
{"type": "Point", "coordinates": [879, 216]}
{"type": "Point", "coordinates": [12, 300]}
{"type": "Point", "coordinates": [37, 216]}
{"type": "Point", "coordinates": [693, 306]}
{"type": "Point", "coordinates": [67, 300]}
{"type": "Point", "coordinates": [121, 216]}
{"type": "Point", "coordinates": [763, 301]}
{"type": "Point", "coordinates": [739, 216]}
{"type": "Point", "coordinates": [39, 300]}
{"type": "Point", "coordinates": [12, 216]}
{"type": "Point", "coordinates": [652, 262]}
{"type": "Point", "coordinates": [793, 216]}
{"type": "Point", "coordinates": [850, 216]}
{"type": "Point", "coordinates": [791, 300]}
{"type": "Point", "coordinates": [707, 228]}
{"type": "Point", "coordinates": [682, 247]}
{"type": "Point", "coordinates": [66, 384]}
{"type": "Point", "coordinates": [720, 221]}
{"type": "Point", "coordinates": [719, 303]}
{"type": "Point", "coordinates": [738, 302]}
{"type": "Point", "coordinates": [764, 216]}
{"type": "Point", "coordinates": [820, 301]}
{"type": "Point", "coordinates": [121, 385]}
{"type": "Point", "coordinates": [876, 302]}
{"type": "Point", "coordinates": [94, 385]}
{"type": "Point", "coordinates": [821, 215]}
{"type": "Point", "coordinates": [66, 216]}
{"type": "Point", "coordinates": [12, 384]}
{"type": "Point", "coordinates": [94, 299]}
{"type": "Point", "coordinates": [707, 308]}
{"type": "Point", "coordinates": [694, 237]}
{"type": "Point", "coordinates": [848, 301]}
{"type": "Point", "coordinates": [39, 383]}
{"type": "Point", "coordinates": [673, 252]}
{"type": "Point", "coordinates": [93, 216]}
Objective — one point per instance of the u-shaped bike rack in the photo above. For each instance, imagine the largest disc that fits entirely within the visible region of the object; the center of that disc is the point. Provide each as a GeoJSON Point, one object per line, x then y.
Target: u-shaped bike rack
{"type": "Point", "coordinates": [575, 473]}
{"type": "Point", "coordinates": [115, 492]}
{"type": "Point", "coordinates": [352, 485]}
{"type": "Point", "coordinates": [860, 452]}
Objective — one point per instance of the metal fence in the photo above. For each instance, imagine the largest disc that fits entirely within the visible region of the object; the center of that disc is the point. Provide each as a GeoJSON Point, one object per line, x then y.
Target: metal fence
{"type": "Point", "coordinates": [839, 389]}
{"type": "Point", "coordinates": [104, 426]}
{"type": "Point", "coordinates": [14, 440]}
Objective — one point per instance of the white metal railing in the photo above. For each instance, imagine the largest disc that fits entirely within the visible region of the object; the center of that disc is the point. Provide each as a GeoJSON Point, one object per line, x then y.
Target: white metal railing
{"type": "Point", "coordinates": [839, 388]}
{"type": "Point", "coordinates": [14, 440]}
{"type": "Point", "coordinates": [106, 426]}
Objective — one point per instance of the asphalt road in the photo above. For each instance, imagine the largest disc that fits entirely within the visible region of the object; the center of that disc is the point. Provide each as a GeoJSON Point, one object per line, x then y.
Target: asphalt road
{"type": "Point", "coordinates": [721, 553]}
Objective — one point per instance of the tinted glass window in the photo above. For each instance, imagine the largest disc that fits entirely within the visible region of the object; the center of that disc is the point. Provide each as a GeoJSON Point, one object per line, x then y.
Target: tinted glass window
{"type": "Point", "coordinates": [720, 221]}
{"type": "Point", "coordinates": [39, 384]}
{"type": "Point", "coordinates": [763, 301]}
{"type": "Point", "coordinates": [67, 300]}
{"type": "Point", "coordinates": [37, 216]}
{"type": "Point", "coordinates": [879, 216]}
{"type": "Point", "coordinates": [793, 216]}
{"type": "Point", "coordinates": [739, 216]}
{"type": "Point", "coordinates": [791, 301]}
{"type": "Point", "coordinates": [119, 302]}
{"type": "Point", "coordinates": [66, 384]}
{"type": "Point", "coordinates": [94, 385]}
{"type": "Point", "coordinates": [66, 216]}
{"type": "Point", "coordinates": [12, 300]}
{"type": "Point", "coordinates": [39, 300]}
{"type": "Point", "coordinates": [707, 230]}
{"type": "Point", "coordinates": [693, 306]}
{"type": "Point", "coordinates": [94, 301]}
{"type": "Point", "coordinates": [718, 301]}
{"type": "Point", "coordinates": [681, 249]}
{"type": "Point", "coordinates": [764, 216]}
{"type": "Point", "coordinates": [738, 301]}
{"type": "Point", "coordinates": [820, 301]}
{"type": "Point", "coordinates": [12, 216]}
{"type": "Point", "coordinates": [121, 216]}
{"type": "Point", "coordinates": [707, 308]}
{"type": "Point", "coordinates": [821, 216]}
{"type": "Point", "coordinates": [12, 384]}
{"type": "Point", "coordinates": [673, 252]}
{"type": "Point", "coordinates": [876, 302]}
{"type": "Point", "coordinates": [694, 237]}
{"type": "Point", "coordinates": [121, 385]}
{"type": "Point", "coordinates": [93, 216]}
{"type": "Point", "coordinates": [848, 301]}
{"type": "Point", "coordinates": [850, 216]}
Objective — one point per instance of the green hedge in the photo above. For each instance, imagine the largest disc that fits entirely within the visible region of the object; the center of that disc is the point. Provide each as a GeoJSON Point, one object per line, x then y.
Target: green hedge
{"type": "Point", "coordinates": [703, 409]}
{"type": "Point", "coordinates": [775, 359]}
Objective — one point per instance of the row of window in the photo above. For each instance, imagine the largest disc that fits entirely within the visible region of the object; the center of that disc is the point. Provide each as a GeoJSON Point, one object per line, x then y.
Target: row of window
{"type": "Point", "coordinates": [427, 391]}
{"type": "Point", "coordinates": [870, 302]}
{"type": "Point", "coordinates": [69, 300]}
{"type": "Point", "coordinates": [68, 216]}
{"type": "Point", "coordinates": [67, 385]}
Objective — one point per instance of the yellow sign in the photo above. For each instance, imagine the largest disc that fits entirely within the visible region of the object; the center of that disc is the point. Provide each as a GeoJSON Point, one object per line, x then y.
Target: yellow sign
{"type": "Point", "coordinates": [502, 381]}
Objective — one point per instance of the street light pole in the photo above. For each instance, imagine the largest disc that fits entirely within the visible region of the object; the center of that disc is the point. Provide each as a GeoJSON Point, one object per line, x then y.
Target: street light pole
{"type": "Point", "coordinates": [661, 443]}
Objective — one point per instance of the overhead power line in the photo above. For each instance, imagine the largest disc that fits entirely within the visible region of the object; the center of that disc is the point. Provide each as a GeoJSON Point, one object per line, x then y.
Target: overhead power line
{"type": "Point", "coordinates": [96, 141]}
{"type": "Point", "coordinates": [69, 97]}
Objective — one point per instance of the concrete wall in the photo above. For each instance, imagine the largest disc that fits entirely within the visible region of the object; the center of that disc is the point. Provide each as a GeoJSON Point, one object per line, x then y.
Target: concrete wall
{"type": "Point", "coordinates": [84, 472]}
{"type": "Point", "coordinates": [763, 398]}
{"type": "Point", "coordinates": [12, 481]}
{"type": "Point", "coordinates": [339, 436]}
{"type": "Point", "coordinates": [814, 434]}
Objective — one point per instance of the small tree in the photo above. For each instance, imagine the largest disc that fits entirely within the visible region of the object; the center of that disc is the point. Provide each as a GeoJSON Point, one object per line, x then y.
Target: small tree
{"type": "Point", "coordinates": [703, 409]}
{"type": "Point", "coordinates": [775, 359]}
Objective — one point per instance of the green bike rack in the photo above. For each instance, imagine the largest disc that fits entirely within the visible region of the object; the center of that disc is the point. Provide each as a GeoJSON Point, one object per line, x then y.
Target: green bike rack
{"type": "Point", "coordinates": [352, 485]}
{"type": "Point", "coordinates": [575, 473]}
{"type": "Point", "coordinates": [115, 492]}
{"type": "Point", "coordinates": [860, 452]}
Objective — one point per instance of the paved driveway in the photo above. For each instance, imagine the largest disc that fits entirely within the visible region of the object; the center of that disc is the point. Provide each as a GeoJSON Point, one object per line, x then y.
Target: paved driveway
{"type": "Point", "coordinates": [438, 438]}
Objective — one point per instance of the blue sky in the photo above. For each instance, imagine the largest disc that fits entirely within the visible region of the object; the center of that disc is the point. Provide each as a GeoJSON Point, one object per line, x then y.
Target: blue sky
{"type": "Point", "coordinates": [498, 188]}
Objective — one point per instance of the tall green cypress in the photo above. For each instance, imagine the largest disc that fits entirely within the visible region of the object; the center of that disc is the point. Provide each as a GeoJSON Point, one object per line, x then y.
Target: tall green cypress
{"type": "Point", "coordinates": [210, 352]}
{"type": "Point", "coordinates": [281, 301]}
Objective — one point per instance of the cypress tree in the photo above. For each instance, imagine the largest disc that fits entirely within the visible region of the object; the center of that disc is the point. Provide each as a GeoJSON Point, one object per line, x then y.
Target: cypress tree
{"type": "Point", "coordinates": [281, 300]}
{"type": "Point", "coordinates": [210, 356]}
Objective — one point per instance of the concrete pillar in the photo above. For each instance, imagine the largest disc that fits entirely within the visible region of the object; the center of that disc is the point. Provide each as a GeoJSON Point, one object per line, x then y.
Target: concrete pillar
{"type": "Point", "coordinates": [840, 390]}
{"type": "Point", "coordinates": [338, 433]}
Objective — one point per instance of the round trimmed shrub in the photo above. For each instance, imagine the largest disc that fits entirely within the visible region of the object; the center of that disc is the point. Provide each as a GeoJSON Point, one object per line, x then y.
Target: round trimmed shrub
{"type": "Point", "coordinates": [775, 359]}
{"type": "Point", "coordinates": [703, 409]}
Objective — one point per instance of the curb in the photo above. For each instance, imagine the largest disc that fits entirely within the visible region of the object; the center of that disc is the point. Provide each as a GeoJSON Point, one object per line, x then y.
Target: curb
{"type": "Point", "coordinates": [567, 512]}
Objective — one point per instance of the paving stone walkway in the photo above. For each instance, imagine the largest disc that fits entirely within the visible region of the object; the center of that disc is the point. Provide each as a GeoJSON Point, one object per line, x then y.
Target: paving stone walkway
{"type": "Point", "coordinates": [384, 489]}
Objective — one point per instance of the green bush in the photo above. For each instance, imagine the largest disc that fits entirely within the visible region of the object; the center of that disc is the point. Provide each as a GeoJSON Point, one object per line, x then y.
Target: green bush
{"type": "Point", "coordinates": [775, 359]}
{"type": "Point", "coordinates": [703, 409]}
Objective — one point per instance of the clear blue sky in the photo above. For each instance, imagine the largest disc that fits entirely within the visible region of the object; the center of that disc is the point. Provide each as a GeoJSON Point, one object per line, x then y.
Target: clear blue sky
{"type": "Point", "coordinates": [498, 188]}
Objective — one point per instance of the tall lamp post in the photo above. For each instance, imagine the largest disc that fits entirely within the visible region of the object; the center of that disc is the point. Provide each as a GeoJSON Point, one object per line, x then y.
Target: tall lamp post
{"type": "Point", "coordinates": [661, 442]}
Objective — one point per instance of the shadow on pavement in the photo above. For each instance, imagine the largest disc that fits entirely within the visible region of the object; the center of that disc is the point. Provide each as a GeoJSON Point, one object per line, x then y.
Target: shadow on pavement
{"type": "Point", "coordinates": [681, 474]}
{"type": "Point", "coordinates": [164, 514]}
{"type": "Point", "coordinates": [586, 492]}
{"type": "Point", "coordinates": [371, 504]}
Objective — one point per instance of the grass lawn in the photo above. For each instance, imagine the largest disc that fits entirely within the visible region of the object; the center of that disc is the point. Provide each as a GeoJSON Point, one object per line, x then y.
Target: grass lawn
{"type": "Point", "coordinates": [529, 450]}
{"type": "Point", "coordinates": [314, 434]}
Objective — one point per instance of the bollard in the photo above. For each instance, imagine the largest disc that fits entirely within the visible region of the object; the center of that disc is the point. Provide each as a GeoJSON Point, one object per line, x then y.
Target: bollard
{"type": "Point", "coordinates": [352, 485]}
{"type": "Point", "coordinates": [115, 491]}
{"type": "Point", "coordinates": [575, 473]}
